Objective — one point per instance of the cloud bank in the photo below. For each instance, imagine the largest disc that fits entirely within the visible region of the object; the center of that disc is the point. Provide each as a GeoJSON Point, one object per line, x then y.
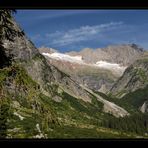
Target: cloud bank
{"type": "Point", "coordinates": [83, 33]}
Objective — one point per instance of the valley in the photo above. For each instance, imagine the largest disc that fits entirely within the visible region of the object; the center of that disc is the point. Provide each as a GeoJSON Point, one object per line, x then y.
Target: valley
{"type": "Point", "coordinates": [92, 93]}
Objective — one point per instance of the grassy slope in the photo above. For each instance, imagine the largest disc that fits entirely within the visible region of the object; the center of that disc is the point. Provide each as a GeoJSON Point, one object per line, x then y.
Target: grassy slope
{"type": "Point", "coordinates": [71, 118]}
{"type": "Point", "coordinates": [22, 94]}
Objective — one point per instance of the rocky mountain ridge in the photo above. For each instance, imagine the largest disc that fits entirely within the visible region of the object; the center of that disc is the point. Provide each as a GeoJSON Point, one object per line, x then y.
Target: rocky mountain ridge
{"type": "Point", "coordinates": [40, 100]}
{"type": "Point", "coordinates": [97, 69]}
{"type": "Point", "coordinates": [121, 54]}
{"type": "Point", "coordinates": [134, 77]}
{"type": "Point", "coordinates": [40, 97]}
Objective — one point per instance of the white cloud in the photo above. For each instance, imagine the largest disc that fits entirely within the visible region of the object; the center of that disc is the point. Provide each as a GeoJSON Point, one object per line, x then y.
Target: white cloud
{"type": "Point", "coordinates": [100, 32]}
{"type": "Point", "coordinates": [83, 33]}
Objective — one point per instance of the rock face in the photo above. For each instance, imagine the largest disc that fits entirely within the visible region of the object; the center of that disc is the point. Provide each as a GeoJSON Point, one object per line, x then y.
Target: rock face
{"type": "Point", "coordinates": [22, 48]}
{"type": "Point", "coordinates": [134, 78]}
{"type": "Point", "coordinates": [110, 107]}
{"type": "Point", "coordinates": [98, 76]}
{"type": "Point", "coordinates": [39, 100]}
{"type": "Point", "coordinates": [92, 77]}
{"type": "Point", "coordinates": [120, 54]}
{"type": "Point", "coordinates": [42, 72]}
{"type": "Point", "coordinates": [144, 107]}
{"type": "Point", "coordinates": [47, 50]}
{"type": "Point", "coordinates": [49, 78]}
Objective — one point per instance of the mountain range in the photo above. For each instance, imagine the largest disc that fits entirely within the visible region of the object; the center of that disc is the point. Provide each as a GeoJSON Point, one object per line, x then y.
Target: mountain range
{"type": "Point", "coordinates": [97, 69]}
{"type": "Point", "coordinates": [93, 93]}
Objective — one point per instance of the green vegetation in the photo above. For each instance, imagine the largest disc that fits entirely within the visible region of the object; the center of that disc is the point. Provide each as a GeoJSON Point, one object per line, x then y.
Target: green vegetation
{"type": "Point", "coordinates": [38, 57]}
{"type": "Point", "coordinates": [5, 60]}
{"type": "Point", "coordinates": [144, 59]}
{"type": "Point", "coordinates": [7, 32]}
{"type": "Point", "coordinates": [137, 97]}
{"type": "Point", "coordinates": [25, 101]}
{"type": "Point", "coordinates": [140, 74]}
{"type": "Point", "coordinates": [4, 113]}
{"type": "Point", "coordinates": [85, 112]}
{"type": "Point", "coordinates": [25, 112]}
{"type": "Point", "coordinates": [71, 110]}
{"type": "Point", "coordinates": [70, 118]}
{"type": "Point", "coordinates": [72, 132]}
{"type": "Point", "coordinates": [136, 123]}
{"type": "Point", "coordinates": [131, 101]}
{"type": "Point", "coordinates": [3, 76]}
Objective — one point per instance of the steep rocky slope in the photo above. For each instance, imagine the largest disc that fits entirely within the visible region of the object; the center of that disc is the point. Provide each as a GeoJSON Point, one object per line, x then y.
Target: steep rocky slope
{"type": "Point", "coordinates": [92, 77]}
{"type": "Point", "coordinates": [121, 54]}
{"type": "Point", "coordinates": [97, 69]}
{"type": "Point", "coordinates": [134, 78]}
{"type": "Point", "coordinates": [132, 86]}
{"type": "Point", "coordinates": [37, 98]}
{"type": "Point", "coordinates": [45, 74]}
{"type": "Point", "coordinates": [21, 105]}
{"type": "Point", "coordinates": [144, 107]}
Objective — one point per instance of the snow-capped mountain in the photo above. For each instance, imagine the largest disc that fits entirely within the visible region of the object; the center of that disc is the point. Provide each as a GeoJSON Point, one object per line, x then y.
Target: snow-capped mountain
{"type": "Point", "coordinates": [95, 68]}
{"type": "Point", "coordinates": [117, 68]}
{"type": "Point", "coordinates": [111, 66]}
{"type": "Point", "coordinates": [120, 54]}
{"type": "Point", "coordinates": [65, 57]}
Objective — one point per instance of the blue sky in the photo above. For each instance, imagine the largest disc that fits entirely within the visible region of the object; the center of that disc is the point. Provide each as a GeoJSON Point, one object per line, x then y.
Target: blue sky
{"type": "Point", "coordinates": [67, 30]}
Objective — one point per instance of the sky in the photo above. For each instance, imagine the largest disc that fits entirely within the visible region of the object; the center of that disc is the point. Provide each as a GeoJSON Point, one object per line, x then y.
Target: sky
{"type": "Point", "coordinates": [67, 30]}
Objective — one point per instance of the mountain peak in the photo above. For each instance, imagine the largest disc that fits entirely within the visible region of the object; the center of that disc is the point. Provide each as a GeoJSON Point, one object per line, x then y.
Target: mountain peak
{"type": "Point", "coordinates": [123, 54]}
{"type": "Point", "coordinates": [47, 50]}
{"type": "Point", "coordinates": [137, 47]}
